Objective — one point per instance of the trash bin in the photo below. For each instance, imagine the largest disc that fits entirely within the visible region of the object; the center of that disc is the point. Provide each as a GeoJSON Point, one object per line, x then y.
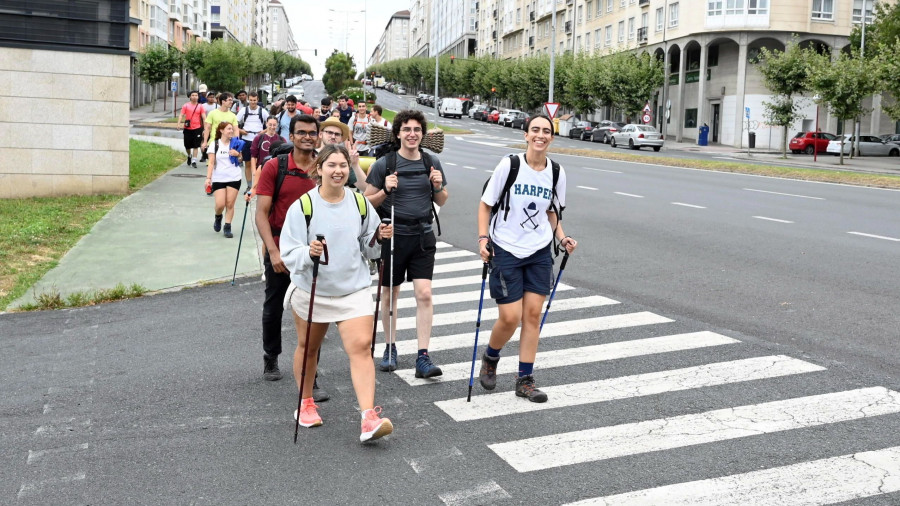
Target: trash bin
{"type": "Point", "coordinates": [751, 139]}
{"type": "Point", "coordinates": [703, 138]}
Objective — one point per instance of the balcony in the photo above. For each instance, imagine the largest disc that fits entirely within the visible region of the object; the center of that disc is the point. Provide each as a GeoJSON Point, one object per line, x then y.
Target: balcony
{"type": "Point", "coordinates": [642, 35]}
{"type": "Point", "coordinates": [644, 3]}
{"type": "Point", "coordinates": [568, 27]}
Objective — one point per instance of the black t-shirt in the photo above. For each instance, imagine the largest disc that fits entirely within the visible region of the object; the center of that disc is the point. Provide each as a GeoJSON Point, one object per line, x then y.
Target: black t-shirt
{"type": "Point", "coordinates": [413, 195]}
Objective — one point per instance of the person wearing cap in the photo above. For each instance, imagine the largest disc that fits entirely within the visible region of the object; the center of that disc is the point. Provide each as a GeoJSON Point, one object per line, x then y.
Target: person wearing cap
{"type": "Point", "coordinates": [332, 131]}
{"type": "Point", "coordinates": [202, 91]}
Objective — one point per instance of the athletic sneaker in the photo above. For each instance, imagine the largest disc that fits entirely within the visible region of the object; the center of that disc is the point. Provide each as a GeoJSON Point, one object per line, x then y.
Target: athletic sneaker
{"type": "Point", "coordinates": [374, 427]}
{"type": "Point", "coordinates": [488, 375]}
{"type": "Point", "coordinates": [194, 165]}
{"type": "Point", "coordinates": [217, 224]}
{"type": "Point", "coordinates": [309, 413]}
{"type": "Point", "coordinates": [525, 388]}
{"type": "Point", "coordinates": [389, 362]}
{"type": "Point", "coordinates": [270, 370]}
{"type": "Point", "coordinates": [319, 393]}
{"type": "Point", "coordinates": [425, 368]}
{"type": "Point", "coordinates": [227, 231]}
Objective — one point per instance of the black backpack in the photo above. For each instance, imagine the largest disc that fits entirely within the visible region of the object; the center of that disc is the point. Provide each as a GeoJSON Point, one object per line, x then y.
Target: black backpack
{"type": "Point", "coordinates": [282, 151]}
{"type": "Point", "coordinates": [503, 201]}
{"type": "Point", "coordinates": [391, 163]}
{"type": "Point", "coordinates": [259, 111]}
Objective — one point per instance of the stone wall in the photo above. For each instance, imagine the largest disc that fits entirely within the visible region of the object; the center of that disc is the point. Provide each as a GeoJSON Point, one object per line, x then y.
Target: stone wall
{"type": "Point", "coordinates": [63, 123]}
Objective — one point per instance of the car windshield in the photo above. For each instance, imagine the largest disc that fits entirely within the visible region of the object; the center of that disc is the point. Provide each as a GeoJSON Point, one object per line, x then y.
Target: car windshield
{"type": "Point", "coordinates": [799, 135]}
{"type": "Point", "coordinates": [644, 128]}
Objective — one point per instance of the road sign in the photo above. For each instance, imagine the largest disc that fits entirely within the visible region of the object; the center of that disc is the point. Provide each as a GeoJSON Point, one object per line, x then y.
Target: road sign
{"type": "Point", "coordinates": [747, 112]}
{"type": "Point", "coordinates": [668, 104]}
{"type": "Point", "coordinates": [646, 117]}
{"type": "Point", "coordinates": [552, 108]}
{"type": "Point", "coordinates": [647, 108]}
{"type": "Point", "coordinates": [174, 86]}
{"type": "Point", "coordinates": [668, 113]}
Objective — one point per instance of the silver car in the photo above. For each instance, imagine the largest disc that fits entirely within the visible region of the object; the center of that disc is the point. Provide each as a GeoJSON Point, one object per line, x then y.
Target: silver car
{"type": "Point", "coordinates": [869, 145]}
{"type": "Point", "coordinates": [637, 136]}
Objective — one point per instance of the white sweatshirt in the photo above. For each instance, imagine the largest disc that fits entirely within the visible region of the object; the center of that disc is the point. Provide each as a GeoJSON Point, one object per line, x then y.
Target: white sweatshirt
{"type": "Point", "coordinates": [350, 243]}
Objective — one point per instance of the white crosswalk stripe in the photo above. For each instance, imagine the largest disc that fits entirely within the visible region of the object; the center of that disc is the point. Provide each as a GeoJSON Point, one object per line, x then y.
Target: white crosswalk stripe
{"type": "Point", "coordinates": [577, 356]}
{"type": "Point", "coordinates": [452, 298]}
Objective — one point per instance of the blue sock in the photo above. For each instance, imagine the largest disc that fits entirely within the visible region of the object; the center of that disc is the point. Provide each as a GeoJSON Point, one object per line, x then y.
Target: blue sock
{"type": "Point", "coordinates": [526, 368]}
{"type": "Point", "coordinates": [423, 351]}
{"type": "Point", "coordinates": [492, 352]}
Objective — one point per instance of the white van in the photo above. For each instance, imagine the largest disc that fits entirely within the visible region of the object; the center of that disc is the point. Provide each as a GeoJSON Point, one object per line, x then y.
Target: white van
{"type": "Point", "coordinates": [451, 107]}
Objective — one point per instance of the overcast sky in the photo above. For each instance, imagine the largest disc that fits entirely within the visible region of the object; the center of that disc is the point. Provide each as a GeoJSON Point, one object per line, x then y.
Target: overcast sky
{"type": "Point", "coordinates": [339, 24]}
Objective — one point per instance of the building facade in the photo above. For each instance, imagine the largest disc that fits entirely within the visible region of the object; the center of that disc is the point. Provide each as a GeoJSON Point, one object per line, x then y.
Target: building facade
{"type": "Point", "coordinates": [452, 28]}
{"type": "Point", "coordinates": [394, 41]}
{"type": "Point", "coordinates": [708, 46]}
{"type": "Point", "coordinates": [231, 19]}
{"type": "Point", "coordinates": [419, 28]}
{"type": "Point", "coordinates": [281, 38]}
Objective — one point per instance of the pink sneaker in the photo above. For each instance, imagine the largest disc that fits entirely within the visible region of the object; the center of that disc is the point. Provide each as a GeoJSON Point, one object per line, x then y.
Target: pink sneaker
{"type": "Point", "coordinates": [374, 427]}
{"type": "Point", "coordinates": [309, 413]}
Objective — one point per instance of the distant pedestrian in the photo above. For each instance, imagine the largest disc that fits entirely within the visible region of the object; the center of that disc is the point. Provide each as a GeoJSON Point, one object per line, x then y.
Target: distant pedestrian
{"type": "Point", "coordinates": [345, 109]}
{"type": "Point", "coordinates": [260, 151]}
{"type": "Point", "coordinates": [324, 109]}
{"type": "Point", "coordinates": [191, 121]}
{"type": "Point", "coordinates": [251, 121]}
{"type": "Point", "coordinates": [210, 106]}
{"type": "Point", "coordinates": [359, 124]}
{"type": "Point", "coordinates": [332, 131]}
{"type": "Point", "coordinates": [224, 172]}
{"type": "Point", "coordinates": [202, 91]}
{"type": "Point", "coordinates": [240, 101]}
{"type": "Point", "coordinates": [286, 115]}
{"type": "Point", "coordinates": [375, 117]}
{"type": "Point", "coordinates": [219, 115]}
{"type": "Point", "coordinates": [343, 286]}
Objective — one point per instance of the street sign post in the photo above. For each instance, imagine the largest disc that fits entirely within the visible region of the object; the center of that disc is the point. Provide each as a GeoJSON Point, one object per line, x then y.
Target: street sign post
{"type": "Point", "coordinates": [646, 118]}
{"type": "Point", "coordinates": [174, 86]}
{"type": "Point", "coordinates": [551, 108]}
{"type": "Point", "coordinates": [747, 112]}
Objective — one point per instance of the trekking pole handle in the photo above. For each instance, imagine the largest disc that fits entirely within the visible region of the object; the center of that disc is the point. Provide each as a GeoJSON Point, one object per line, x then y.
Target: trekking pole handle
{"type": "Point", "coordinates": [317, 260]}
{"type": "Point", "coordinates": [565, 259]}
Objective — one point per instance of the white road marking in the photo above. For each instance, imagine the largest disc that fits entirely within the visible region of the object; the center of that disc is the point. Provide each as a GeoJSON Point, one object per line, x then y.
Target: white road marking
{"type": "Point", "coordinates": [587, 188]}
{"type": "Point", "coordinates": [469, 167]}
{"type": "Point", "coordinates": [452, 298]}
{"type": "Point", "coordinates": [886, 238]}
{"type": "Point", "coordinates": [825, 481]}
{"type": "Point", "coordinates": [28, 488]}
{"type": "Point", "coordinates": [37, 454]}
{"type": "Point", "coordinates": [639, 385]}
{"type": "Point", "coordinates": [629, 195]}
{"type": "Point", "coordinates": [450, 164]}
{"type": "Point", "coordinates": [687, 205]}
{"type": "Point", "coordinates": [772, 219]}
{"type": "Point", "coordinates": [785, 194]}
{"type": "Point", "coordinates": [444, 268]}
{"type": "Point", "coordinates": [453, 254]}
{"type": "Point", "coordinates": [566, 328]}
{"type": "Point", "coordinates": [491, 405]}
{"type": "Point", "coordinates": [486, 493]}
{"type": "Point", "coordinates": [602, 170]}
{"type": "Point", "coordinates": [492, 144]}
{"type": "Point", "coordinates": [490, 171]}
{"type": "Point", "coordinates": [688, 430]}
{"type": "Point", "coordinates": [469, 316]}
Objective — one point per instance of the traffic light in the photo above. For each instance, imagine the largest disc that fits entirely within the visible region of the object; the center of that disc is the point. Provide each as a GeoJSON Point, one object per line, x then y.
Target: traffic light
{"type": "Point", "coordinates": [493, 89]}
{"type": "Point", "coordinates": [452, 58]}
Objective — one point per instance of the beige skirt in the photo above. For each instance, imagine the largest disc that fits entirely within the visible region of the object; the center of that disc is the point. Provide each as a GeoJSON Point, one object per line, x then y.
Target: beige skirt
{"type": "Point", "coordinates": [332, 309]}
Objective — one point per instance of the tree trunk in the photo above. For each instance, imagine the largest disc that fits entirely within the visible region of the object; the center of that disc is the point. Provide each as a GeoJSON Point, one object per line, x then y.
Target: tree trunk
{"type": "Point", "coordinates": [784, 136]}
{"type": "Point", "coordinates": [153, 96]}
{"type": "Point", "coordinates": [842, 151]}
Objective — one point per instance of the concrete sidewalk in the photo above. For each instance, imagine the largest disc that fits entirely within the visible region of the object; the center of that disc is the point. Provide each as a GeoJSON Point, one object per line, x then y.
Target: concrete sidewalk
{"type": "Point", "coordinates": [160, 237]}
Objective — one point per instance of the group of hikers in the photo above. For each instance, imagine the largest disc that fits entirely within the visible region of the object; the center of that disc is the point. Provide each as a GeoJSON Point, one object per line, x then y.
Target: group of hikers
{"type": "Point", "coordinates": [322, 219]}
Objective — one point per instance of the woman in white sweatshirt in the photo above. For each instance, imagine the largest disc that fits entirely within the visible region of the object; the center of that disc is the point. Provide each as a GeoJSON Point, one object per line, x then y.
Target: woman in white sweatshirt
{"type": "Point", "coordinates": [343, 287]}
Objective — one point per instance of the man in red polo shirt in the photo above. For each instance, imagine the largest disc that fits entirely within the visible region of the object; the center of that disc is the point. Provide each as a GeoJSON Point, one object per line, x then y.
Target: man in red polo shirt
{"type": "Point", "coordinates": [270, 213]}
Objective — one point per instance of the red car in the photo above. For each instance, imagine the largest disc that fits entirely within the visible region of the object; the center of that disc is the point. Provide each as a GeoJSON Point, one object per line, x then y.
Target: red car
{"type": "Point", "coordinates": [494, 116]}
{"type": "Point", "coordinates": [810, 142]}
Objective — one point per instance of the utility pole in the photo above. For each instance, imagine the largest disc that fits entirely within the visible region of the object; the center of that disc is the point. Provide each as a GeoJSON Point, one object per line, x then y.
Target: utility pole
{"type": "Point", "coordinates": [862, 55]}
{"type": "Point", "coordinates": [552, 47]}
{"type": "Point", "coordinates": [665, 107]}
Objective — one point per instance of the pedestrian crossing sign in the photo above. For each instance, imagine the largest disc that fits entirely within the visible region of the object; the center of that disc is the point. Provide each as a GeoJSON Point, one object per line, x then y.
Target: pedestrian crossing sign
{"type": "Point", "coordinates": [552, 108]}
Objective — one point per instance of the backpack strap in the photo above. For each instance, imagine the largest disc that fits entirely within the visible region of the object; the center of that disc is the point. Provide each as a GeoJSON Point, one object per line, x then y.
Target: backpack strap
{"type": "Point", "coordinates": [306, 206]}
{"type": "Point", "coordinates": [429, 163]}
{"type": "Point", "coordinates": [503, 201]}
{"type": "Point", "coordinates": [279, 179]}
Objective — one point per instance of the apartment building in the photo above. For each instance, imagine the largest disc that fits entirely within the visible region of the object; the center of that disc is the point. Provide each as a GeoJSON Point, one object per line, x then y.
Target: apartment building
{"type": "Point", "coordinates": [708, 46]}
{"type": "Point", "coordinates": [281, 38]}
{"type": "Point", "coordinates": [394, 41]}
{"type": "Point", "coordinates": [260, 23]}
{"type": "Point", "coordinates": [231, 19]}
{"type": "Point", "coordinates": [419, 28]}
{"type": "Point", "coordinates": [452, 27]}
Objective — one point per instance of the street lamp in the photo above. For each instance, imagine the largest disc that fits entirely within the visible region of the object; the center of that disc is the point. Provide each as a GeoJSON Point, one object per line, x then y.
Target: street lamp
{"type": "Point", "coordinates": [175, 76]}
{"type": "Point", "coordinates": [816, 134]}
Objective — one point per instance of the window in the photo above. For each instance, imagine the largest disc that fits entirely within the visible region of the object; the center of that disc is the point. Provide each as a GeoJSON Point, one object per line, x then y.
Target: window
{"type": "Point", "coordinates": [659, 19]}
{"type": "Point", "coordinates": [597, 33]}
{"type": "Point", "coordinates": [609, 4]}
{"type": "Point", "coordinates": [580, 12]}
{"type": "Point", "coordinates": [578, 45]}
{"type": "Point", "coordinates": [714, 8]}
{"type": "Point", "coordinates": [589, 10]}
{"type": "Point", "coordinates": [631, 28]}
{"type": "Point", "coordinates": [518, 16]}
{"type": "Point", "coordinates": [645, 21]}
{"type": "Point", "coordinates": [757, 6]}
{"type": "Point", "coordinates": [599, 7]}
{"type": "Point", "coordinates": [608, 38]}
{"type": "Point", "coordinates": [857, 11]}
{"type": "Point", "coordinates": [690, 118]}
{"type": "Point", "coordinates": [622, 3]}
{"type": "Point", "coordinates": [712, 56]}
{"type": "Point", "coordinates": [734, 7]}
{"type": "Point", "coordinates": [587, 41]}
{"type": "Point", "coordinates": [621, 31]}
{"type": "Point", "coordinates": [673, 15]}
{"type": "Point", "coordinates": [823, 9]}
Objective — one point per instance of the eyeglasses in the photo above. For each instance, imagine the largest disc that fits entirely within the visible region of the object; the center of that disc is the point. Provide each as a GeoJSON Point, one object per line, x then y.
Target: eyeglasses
{"type": "Point", "coordinates": [303, 133]}
{"type": "Point", "coordinates": [332, 133]}
{"type": "Point", "coordinates": [407, 130]}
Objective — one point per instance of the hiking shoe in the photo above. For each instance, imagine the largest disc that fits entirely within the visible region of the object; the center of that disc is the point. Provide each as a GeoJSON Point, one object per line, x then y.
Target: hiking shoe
{"type": "Point", "coordinates": [488, 375]}
{"type": "Point", "coordinates": [227, 231]}
{"type": "Point", "coordinates": [309, 413]}
{"type": "Point", "coordinates": [374, 427]}
{"type": "Point", "coordinates": [525, 388]}
{"type": "Point", "coordinates": [425, 368]}
{"type": "Point", "coordinates": [319, 393]}
{"type": "Point", "coordinates": [271, 371]}
{"type": "Point", "coordinates": [389, 362]}
{"type": "Point", "coordinates": [217, 223]}
{"type": "Point", "coordinates": [194, 165]}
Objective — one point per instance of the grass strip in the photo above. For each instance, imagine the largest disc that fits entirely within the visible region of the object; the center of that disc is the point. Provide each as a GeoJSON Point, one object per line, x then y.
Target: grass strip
{"type": "Point", "coordinates": [37, 232]}
{"type": "Point", "coordinates": [53, 300]}
{"type": "Point", "coordinates": [800, 173]}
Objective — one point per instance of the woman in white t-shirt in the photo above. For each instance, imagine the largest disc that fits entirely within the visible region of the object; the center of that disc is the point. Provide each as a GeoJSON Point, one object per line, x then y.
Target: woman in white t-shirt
{"type": "Point", "coordinates": [520, 240]}
{"type": "Point", "coordinates": [224, 174]}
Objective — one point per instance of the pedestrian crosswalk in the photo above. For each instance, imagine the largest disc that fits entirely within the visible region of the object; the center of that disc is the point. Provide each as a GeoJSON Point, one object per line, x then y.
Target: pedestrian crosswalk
{"type": "Point", "coordinates": [594, 335]}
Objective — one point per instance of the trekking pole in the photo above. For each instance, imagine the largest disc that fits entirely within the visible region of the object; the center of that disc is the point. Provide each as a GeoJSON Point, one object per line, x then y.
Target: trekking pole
{"type": "Point", "coordinates": [386, 221]}
{"type": "Point", "coordinates": [562, 267]}
{"type": "Point", "coordinates": [312, 297]}
{"type": "Point", "coordinates": [484, 271]}
{"type": "Point", "coordinates": [241, 238]}
{"type": "Point", "coordinates": [390, 334]}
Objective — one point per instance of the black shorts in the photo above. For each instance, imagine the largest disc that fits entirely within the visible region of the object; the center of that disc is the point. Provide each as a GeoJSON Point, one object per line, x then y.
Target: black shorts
{"type": "Point", "coordinates": [413, 258]}
{"type": "Point", "coordinates": [245, 153]}
{"type": "Point", "coordinates": [229, 184]}
{"type": "Point", "coordinates": [193, 138]}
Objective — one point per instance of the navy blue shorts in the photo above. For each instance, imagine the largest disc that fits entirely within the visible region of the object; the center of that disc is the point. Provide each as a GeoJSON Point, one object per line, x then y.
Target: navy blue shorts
{"type": "Point", "coordinates": [511, 277]}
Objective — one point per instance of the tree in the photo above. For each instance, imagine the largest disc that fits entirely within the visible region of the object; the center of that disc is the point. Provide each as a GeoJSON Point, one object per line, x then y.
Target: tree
{"type": "Point", "coordinates": [224, 65]}
{"type": "Point", "coordinates": [156, 63]}
{"type": "Point", "coordinates": [339, 70]}
{"type": "Point", "coordinates": [785, 75]}
{"type": "Point", "coordinates": [633, 79]}
{"type": "Point", "coordinates": [882, 32]}
{"type": "Point", "coordinates": [842, 84]}
{"type": "Point", "coordinates": [887, 67]}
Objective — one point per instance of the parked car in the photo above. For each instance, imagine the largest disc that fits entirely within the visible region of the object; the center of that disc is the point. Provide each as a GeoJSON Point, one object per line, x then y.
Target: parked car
{"type": "Point", "coordinates": [296, 91]}
{"type": "Point", "coordinates": [810, 142]}
{"type": "Point", "coordinates": [506, 117]}
{"type": "Point", "coordinates": [467, 104]}
{"type": "Point", "coordinates": [869, 145]}
{"type": "Point", "coordinates": [604, 130]}
{"type": "Point", "coordinates": [479, 111]}
{"type": "Point", "coordinates": [450, 107]}
{"type": "Point", "coordinates": [581, 129]}
{"type": "Point", "coordinates": [895, 138]}
{"type": "Point", "coordinates": [400, 89]}
{"type": "Point", "coordinates": [637, 136]}
{"type": "Point", "coordinates": [494, 116]}
{"type": "Point", "coordinates": [420, 98]}
{"type": "Point", "coordinates": [520, 119]}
